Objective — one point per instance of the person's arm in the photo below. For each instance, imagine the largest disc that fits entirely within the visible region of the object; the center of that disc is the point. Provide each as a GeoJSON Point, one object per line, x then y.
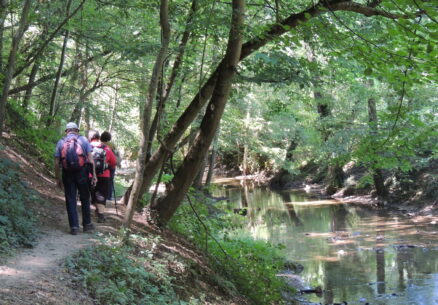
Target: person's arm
{"type": "Point", "coordinates": [90, 159]}
{"type": "Point", "coordinates": [111, 158]}
{"type": "Point", "coordinates": [58, 173]}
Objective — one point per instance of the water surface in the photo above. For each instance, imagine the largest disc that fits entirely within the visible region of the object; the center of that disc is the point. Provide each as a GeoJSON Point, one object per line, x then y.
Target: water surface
{"type": "Point", "coordinates": [354, 253]}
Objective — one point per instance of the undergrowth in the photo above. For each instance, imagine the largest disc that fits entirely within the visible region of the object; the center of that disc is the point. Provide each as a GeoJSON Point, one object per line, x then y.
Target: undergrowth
{"type": "Point", "coordinates": [251, 266]}
{"type": "Point", "coordinates": [116, 272]}
{"type": "Point", "coordinates": [17, 222]}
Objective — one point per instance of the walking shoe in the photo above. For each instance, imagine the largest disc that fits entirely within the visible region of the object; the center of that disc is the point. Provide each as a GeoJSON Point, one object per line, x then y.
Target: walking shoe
{"type": "Point", "coordinates": [101, 218]}
{"type": "Point", "coordinates": [89, 227]}
{"type": "Point", "coordinates": [74, 231]}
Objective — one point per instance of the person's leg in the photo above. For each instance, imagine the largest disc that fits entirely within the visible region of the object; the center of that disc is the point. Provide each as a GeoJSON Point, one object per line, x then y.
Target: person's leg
{"type": "Point", "coordinates": [70, 200]}
{"type": "Point", "coordinates": [84, 194]}
{"type": "Point", "coordinates": [101, 191]}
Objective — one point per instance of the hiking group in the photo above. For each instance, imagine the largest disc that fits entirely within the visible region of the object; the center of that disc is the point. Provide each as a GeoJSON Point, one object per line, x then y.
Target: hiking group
{"type": "Point", "coordinates": [87, 167]}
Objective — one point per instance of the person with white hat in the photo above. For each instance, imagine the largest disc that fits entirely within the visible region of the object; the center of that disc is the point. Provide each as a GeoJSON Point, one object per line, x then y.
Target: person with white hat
{"type": "Point", "coordinates": [72, 154]}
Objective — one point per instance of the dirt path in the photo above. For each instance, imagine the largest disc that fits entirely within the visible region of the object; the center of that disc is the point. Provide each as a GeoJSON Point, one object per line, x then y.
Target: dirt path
{"type": "Point", "coordinates": [36, 275]}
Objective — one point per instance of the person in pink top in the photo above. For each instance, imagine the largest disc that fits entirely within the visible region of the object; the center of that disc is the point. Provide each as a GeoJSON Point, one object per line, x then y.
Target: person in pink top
{"type": "Point", "coordinates": [104, 159]}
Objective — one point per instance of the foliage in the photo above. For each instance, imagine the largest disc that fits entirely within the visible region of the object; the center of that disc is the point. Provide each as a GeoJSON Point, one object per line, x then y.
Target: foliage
{"type": "Point", "coordinates": [115, 272]}
{"type": "Point", "coordinates": [33, 138]}
{"type": "Point", "coordinates": [249, 266]}
{"type": "Point", "coordinates": [17, 220]}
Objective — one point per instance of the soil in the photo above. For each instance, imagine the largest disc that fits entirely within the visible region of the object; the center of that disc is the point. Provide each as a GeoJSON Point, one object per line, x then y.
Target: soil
{"type": "Point", "coordinates": [37, 276]}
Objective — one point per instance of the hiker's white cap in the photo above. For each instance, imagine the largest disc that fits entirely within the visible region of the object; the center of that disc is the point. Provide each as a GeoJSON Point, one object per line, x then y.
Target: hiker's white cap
{"type": "Point", "coordinates": [71, 125]}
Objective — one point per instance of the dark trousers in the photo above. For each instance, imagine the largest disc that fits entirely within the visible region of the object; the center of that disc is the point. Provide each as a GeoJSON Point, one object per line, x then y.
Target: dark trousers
{"type": "Point", "coordinates": [99, 193]}
{"type": "Point", "coordinates": [111, 183]}
{"type": "Point", "coordinates": [74, 182]}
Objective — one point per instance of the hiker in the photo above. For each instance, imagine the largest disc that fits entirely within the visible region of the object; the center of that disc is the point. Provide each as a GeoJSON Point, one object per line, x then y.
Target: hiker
{"type": "Point", "coordinates": [104, 159]}
{"type": "Point", "coordinates": [72, 154]}
{"type": "Point", "coordinates": [105, 138]}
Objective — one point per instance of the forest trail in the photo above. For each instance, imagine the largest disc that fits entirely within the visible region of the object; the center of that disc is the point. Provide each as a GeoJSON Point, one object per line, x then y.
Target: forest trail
{"type": "Point", "coordinates": [36, 275]}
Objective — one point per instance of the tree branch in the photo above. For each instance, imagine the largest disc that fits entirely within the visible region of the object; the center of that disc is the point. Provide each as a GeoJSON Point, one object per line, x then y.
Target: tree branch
{"type": "Point", "coordinates": [31, 58]}
{"type": "Point", "coordinates": [367, 11]}
{"type": "Point", "coordinates": [53, 75]}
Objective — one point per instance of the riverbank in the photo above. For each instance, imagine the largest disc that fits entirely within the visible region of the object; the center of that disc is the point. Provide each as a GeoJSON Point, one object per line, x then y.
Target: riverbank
{"type": "Point", "coordinates": [411, 192]}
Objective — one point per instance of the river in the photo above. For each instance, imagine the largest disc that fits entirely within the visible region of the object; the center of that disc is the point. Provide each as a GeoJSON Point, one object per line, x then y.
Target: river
{"type": "Point", "coordinates": [356, 254]}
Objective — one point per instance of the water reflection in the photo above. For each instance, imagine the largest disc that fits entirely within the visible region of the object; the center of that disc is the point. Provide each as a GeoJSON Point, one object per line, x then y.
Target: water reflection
{"type": "Point", "coordinates": [356, 254]}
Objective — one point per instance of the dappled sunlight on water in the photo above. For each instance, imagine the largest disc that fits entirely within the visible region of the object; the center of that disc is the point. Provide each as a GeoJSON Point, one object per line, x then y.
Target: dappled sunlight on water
{"type": "Point", "coordinates": [314, 203]}
{"type": "Point", "coordinates": [354, 253]}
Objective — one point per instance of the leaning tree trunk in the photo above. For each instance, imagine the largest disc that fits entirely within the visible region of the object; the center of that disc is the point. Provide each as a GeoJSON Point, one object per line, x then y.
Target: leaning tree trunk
{"type": "Point", "coordinates": [58, 73]}
{"type": "Point", "coordinates": [166, 206]}
{"type": "Point", "coordinates": [273, 31]}
{"type": "Point", "coordinates": [57, 79]}
{"type": "Point", "coordinates": [141, 161]}
{"type": "Point", "coordinates": [9, 71]}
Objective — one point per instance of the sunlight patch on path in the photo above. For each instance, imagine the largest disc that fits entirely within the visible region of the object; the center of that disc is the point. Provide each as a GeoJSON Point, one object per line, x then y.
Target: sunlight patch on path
{"type": "Point", "coordinates": [49, 253]}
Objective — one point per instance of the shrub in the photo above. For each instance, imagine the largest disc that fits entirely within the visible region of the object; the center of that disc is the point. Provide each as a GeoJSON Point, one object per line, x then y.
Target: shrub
{"type": "Point", "coordinates": [248, 264]}
{"type": "Point", "coordinates": [17, 222]}
{"type": "Point", "coordinates": [32, 136]}
{"type": "Point", "coordinates": [124, 273]}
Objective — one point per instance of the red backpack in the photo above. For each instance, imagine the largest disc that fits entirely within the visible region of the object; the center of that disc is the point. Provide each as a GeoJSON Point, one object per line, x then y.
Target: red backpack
{"type": "Point", "coordinates": [72, 154]}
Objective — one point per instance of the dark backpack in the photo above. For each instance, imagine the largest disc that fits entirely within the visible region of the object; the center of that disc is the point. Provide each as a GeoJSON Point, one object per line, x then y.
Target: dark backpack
{"type": "Point", "coordinates": [99, 158]}
{"type": "Point", "coordinates": [72, 154]}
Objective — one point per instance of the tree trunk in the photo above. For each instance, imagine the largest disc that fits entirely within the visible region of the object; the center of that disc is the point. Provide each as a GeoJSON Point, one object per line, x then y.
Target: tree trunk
{"type": "Point", "coordinates": [9, 71]}
{"type": "Point", "coordinates": [181, 50]}
{"type": "Point", "coordinates": [377, 172]}
{"type": "Point", "coordinates": [211, 160]}
{"type": "Point", "coordinates": [155, 122]}
{"type": "Point", "coordinates": [79, 68]}
{"type": "Point", "coordinates": [32, 76]}
{"type": "Point", "coordinates": [114, 111]}
{"type": "Point", "coordinates": [3, 14]}
{"type": "Point", "coordinates": [58, 73]}
{"type": "Point", "coordinates": [197, 182]}
{"type": "Point", "coordinates": [183, 178]}
{"type": "Point", "coordinates": [290, 150]}
{"type": "Point", "coordinates": [245, 145]}
{"type": "Point", "coordinates": [33, 73]}
{"type": "Point", "coordinates": [57, 79]}
{"type": "Point", "coordinates": [165, 92]}
{"type": "Point", "coordinates": [144, 134]}
{"type": "Point", "coordinates": [87, 119]}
